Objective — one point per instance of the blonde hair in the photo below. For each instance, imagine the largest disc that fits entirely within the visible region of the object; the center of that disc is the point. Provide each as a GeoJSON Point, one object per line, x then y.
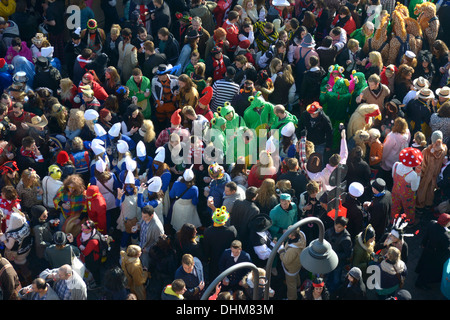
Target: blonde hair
{"type": "Point", "coordinates": [76, 119]}
{"type": "Point", "coordinates": [420, 139]}
{"type": "Point", "coordinates": [30, 178]}
{"type": "Point", "coordinates": [77, 143]}
{"type": "Point", "coordinates": [274, 64]}
{"type": "Point", "coordinates": [133, 251]}
{"type": "Point", "coordinates": [352, 43]}
{"type": "Point", "coordinates": [115, 29]}
{"type": "Point", "coordinates": [149, 130]}
{"type": "Point", "coordinates": [375, 59]}
{"type": "Point", "coordinates": [66, 85]}
{"type": "Point", "coordinates": [188, 110]}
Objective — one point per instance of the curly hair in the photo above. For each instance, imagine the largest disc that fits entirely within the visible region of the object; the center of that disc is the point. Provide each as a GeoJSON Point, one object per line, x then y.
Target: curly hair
{"type": "Point", "coordinates": [76, 120]}
{"type": "Point", "coordinates": [77, 181]}
{"type": "Point", "coordinates": [149, 129]}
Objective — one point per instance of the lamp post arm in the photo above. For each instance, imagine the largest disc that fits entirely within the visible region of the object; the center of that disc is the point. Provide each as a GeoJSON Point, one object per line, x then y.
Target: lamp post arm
{"type": "Point", "coordinates": [282, 239]}
{"type": "Point", "coordinates": [242, 265]}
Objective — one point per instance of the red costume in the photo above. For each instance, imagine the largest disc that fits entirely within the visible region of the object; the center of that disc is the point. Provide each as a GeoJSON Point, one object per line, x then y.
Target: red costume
{"type": "Point", "coordinates": [96, 208]}
{"type": "Point", "coordinates": [205, 100]}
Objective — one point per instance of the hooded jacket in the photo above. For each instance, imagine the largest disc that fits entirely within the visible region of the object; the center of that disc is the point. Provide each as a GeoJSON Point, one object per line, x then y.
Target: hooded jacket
{"type": "Point", "coordinates": [96, 207]}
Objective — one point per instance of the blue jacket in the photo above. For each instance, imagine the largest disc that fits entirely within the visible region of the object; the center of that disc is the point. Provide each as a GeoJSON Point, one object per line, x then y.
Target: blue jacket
{"type": "Point", "coordinates": [192, 280]}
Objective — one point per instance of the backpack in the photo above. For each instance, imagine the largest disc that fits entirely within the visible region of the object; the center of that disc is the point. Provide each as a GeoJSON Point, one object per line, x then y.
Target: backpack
{"type": "Point", "coordinates": [81, 161]}
{"type": "Point", "coordinates": [104, 245]}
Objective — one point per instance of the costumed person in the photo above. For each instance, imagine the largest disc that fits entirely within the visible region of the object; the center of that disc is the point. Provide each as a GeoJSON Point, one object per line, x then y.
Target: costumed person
{"type": "Point", "coordinates": [202, 107]}
{"type": "Point", "coordinates": [70, 200]}
{"type": "Point", "coordinates": [9, 201]}
{"type": "Point", "coordinates": [96, 208]}
{"type": "Point", "coordinates": [164, 86]}
{"type": "Point", "coordinates": [153, 196]}
{"type": "Point", "coordinates": [185, 193]}
{"type": "Point", "coordinates": [93, 36]}
{"type": "Point", "coordinates": [130, 212]}
{"type": "Point", "coordinates": [394, 237]}
{"type": "Point", "coordinates": [143, 161]}
{"type": "Point", "coordinates": [50, 185]}
{"type": "Point", "coordinates": [259, 115]}
{"type": "Point", "coordinates": [234, 121]}
{"type": "Point", "coordinates": [433, 159]}
{"type": "Point", "coordinates": [406, 175]}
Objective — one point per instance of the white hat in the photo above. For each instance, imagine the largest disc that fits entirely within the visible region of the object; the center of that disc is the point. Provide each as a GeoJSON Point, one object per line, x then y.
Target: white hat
{"type": "Point", "coordinates": [91, 114]}
{"type": "Point", "coordinates": [122, 146]}
{"type": "Point", "coordinates": [99, 130]}
{"type": "Point", "coordinates": [160, 154]}
{"type": "Point", "coordinates": [130, 179]}
{"type": "Point", "coordinates": [288, 130]}
{"type": "Point", "coordinates": [443, 92]}
{"type": "Point", "coordinates": [154, 184]}
{"type": "Point", "coordinates": [97, 148]}
{"type": "Point", "coordinates": [140, 149]}
{"type": "Point", "coordinates": [270, 145]}
{"type": "Point", "coordinates": [115, 130]}
{"type": "Point", "coordinates": [100, 165]}
{"type": "Point", "coordinates": [410, 54]}
{"type": "Point", "coordinates": [356, 189]}
{"type": "Point", "coordinates": [188, 174]}
{"type": "Point", "coordinates": [47, 51]}
{"type": "Point", "coordinates": [280, 3]}
{"type": "Point", "coordinates": [130, 164]}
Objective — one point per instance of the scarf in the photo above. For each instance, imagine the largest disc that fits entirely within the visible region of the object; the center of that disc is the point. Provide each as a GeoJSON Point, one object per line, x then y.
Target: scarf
{"type": "Point", "coordinates": [342, 21]}
{"type": "Point", "coordinates": [219, 69]}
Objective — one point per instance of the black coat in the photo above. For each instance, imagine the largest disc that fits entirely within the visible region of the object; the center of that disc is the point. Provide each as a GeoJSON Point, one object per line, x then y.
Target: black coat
{"type": "Point", "coordinates": [215, 241]}
{"type": "Point", "coordinates": [318, 131]}
{"type": "Point", "coordinates": [151, 62]}
{"type": "Point", "coordinates": [341, 243]}
{"type": "Point", "coordinates": [172, 50]}
{"type": "Point", "coordinates": [379, 213]}
{"type": "Point", "coordinates": [297, 179]}
{"type": "Point", "coordinates": [310, 89]}
{"type": "Point", "coordinates": [162, 19]}
{"type": "Point", "coordinates": [436, 251]}
{"type": "Point", "coordinates": [354, 215]}
{"type": "Point", "coordinates": [48, 79]}
{"type": "Point", "coordinates": [355, 292]}
{"type": "Point", "coordinates": [242, 212]}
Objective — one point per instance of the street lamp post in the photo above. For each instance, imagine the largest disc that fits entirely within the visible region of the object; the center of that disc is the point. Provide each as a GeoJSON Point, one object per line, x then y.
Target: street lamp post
{"type": "Point", "coordinates": [318, 257]}
{"type": "Point", "coordinates": [242, 265]}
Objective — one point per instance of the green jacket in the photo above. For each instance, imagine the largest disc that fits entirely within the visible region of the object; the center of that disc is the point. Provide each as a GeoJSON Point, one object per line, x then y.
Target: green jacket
{"type": "Point", "coordinates": [282, 219]}
{"type": "Point", "coordinates": [143, 101]}
{"type": "Point", "coordinates": [279, 124]}
{"type": "Point", "coordinates": [361, 255]}
{"type": "Point", "coordinates": [262, 118]}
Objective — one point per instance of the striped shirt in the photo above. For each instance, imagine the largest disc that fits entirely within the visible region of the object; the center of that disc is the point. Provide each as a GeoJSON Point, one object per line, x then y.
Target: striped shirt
{"type": "Point", "coordinates": [223, 90]}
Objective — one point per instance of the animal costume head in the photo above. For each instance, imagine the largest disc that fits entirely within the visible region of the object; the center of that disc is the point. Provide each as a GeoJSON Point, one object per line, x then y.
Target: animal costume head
{"type": "Point", "coordinates": [226, 109]}
{"type": "Point", "coordinates": [362, 118]}
{"type": "Point", "coordinates": [334, 72]}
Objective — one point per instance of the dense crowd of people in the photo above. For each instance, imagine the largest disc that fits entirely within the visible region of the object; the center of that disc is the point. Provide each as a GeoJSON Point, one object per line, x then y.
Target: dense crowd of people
{"type": "Point", "coordinates": [149, 146]}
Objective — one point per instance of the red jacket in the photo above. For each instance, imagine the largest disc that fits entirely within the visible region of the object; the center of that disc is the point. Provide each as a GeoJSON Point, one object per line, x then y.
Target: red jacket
{"type": "Point", "coordinates": [96, 208]}
{"type": "Point", "coordinates": [91, 247]}
{"type": "Point", "coordinates": [349, 26]}
{"type": "Point", "coordinates": [99, 91]}
{"type": "Point", "coordinates": [232, 34]}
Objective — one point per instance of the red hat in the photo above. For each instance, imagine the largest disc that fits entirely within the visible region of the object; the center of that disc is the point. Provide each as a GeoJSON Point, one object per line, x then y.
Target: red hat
{"type": "Point", "coordinates": [207, 96]}
{"type": "Point", "coordinates": [88, 76]}
{"type": "Point", "coordinates": [176, 118]}
{"type": "Point", "coordinates": [244, 44]}
{"type": "Point", "coordinates": [8, 167]}
{"type": "Point", "coordinates": [2, 63]}
{"type": "Point", "coordinates": [411, 157]}
{"type": "Point", "coordinates": [104, 112]}
{"type": "Point", "coordinates": [313, 107]}
{"type": "Point", "coordinates": [62, 158]}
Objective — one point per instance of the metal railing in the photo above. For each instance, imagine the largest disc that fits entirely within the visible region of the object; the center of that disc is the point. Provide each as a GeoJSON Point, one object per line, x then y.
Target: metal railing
{"type": "Point", "coordinates": [242, 265]}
